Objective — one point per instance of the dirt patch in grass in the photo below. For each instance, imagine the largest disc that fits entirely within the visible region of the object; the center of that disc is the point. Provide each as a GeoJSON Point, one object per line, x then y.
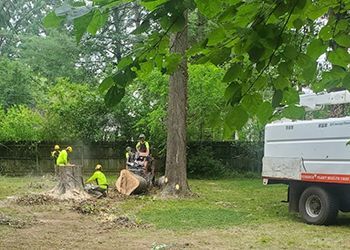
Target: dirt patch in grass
{"type": "Point", "coordinates": [125, 221]}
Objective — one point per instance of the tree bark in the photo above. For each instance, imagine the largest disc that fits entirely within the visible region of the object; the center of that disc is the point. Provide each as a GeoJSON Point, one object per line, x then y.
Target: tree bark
{"type": "Point", "coordinates": [70, 183]}
{"type": "Point", "coordinates": [176, 162]}
{"type": "Point", "coordinates": [129, 183]}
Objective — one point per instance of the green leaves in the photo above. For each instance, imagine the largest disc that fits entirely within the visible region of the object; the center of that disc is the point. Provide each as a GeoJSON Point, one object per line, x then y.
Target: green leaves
{"type": "Point", "coordinates": [246, 12]}
{"type": "Point", "coordinates": [152, 4]}
{"type": "Point", "coordinates": [343, 40]}
{"type": "Point", "coordinates": [209, 8]}
{"type": "Point", "coordinates": [114, 95]}
{"type": "Point", "coordinates": [52, 21]}
{"type": "Point", "coordinates": [293, 112]}
{"type": "Point", "coordinates": [264, 112]}
{"type": "Point", "coordinates": [233, 73]}
{"type": "Point", "coordinates": [115, 85]}
{"type": "Point", "coordinates": [251, 103]}
{"type": "Point", "coordinates": [80, 26]}
{"type": "Point", "coordinates": [332, 78]}
{"type": "Point", "coordinates": [216, 36]}
{"type": "Point", "coordinates": [256, 52]}
{"type": "Point", "coordinates": [233, 93]}
{"type": "Point", "coordinates": [236, 118]}
{"type": "Point", "coordinates": [281, 83]}
{"type": "Point", "coordinates": [85, 19]}
{"type": "Point", "coordinates": [172, 62]}
{"type": "Point", "coordinates": [98, 21]}
{"type": "Point", "coordinates": [316, 48]}
{"type": "Point", "coordinates": [219, 56]}
{"type": "Point", "coordinates": [326, 33]}
{"type": "Point", "coordinates": [290, 96]}
{"type": "Point", "coordinates": [106, 84]}
{"type": "Point", "coordinates": [339, 56]}
{"type": "Point", "coordinates": [290, 52]}
{"type": "Point", "coordinates": [346, 81]}
{"type": "Point", "coordinates": [145, 25]}
{"type": "Point", "coordinates": [277, 98]}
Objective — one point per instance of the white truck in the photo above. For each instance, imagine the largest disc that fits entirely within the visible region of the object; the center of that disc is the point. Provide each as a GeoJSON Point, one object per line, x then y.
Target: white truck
{"type": "Point", "coordinates": [313, 159]}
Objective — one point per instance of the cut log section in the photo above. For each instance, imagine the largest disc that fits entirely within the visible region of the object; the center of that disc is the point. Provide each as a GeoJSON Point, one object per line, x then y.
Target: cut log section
{"type": "Point", "coordinates": [129, 183]}
{"type": "Point", "coordinates": [161, 181]}
{"type": "Point", "coordinates": [70, 183]}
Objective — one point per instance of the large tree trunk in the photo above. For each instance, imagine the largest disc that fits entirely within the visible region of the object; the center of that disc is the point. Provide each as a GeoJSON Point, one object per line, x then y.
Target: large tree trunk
{"type": "Point", "coordinates": [129, 183]}
{"type": "Point", "coordinates": [176, 163]}
{"type": "Point", "coordinates": [70, 183]}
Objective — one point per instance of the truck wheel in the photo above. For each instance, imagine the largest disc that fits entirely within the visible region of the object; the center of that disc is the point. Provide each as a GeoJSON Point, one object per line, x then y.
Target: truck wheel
{"type": "Point", "coordinates": [318, 207]}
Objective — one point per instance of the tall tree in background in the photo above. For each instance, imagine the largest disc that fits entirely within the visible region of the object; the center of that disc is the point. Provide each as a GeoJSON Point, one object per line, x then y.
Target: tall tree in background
{"type": "Point", "coordinates": [176, 160]}
{"type": "Point", "coordinates": [261, 44]}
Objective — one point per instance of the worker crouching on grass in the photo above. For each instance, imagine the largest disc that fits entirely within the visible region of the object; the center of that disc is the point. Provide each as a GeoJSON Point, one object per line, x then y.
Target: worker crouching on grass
{"type": "Point", "coordinates": [101, 181]}
{"type": "Point", "coordinates": [62, 159]}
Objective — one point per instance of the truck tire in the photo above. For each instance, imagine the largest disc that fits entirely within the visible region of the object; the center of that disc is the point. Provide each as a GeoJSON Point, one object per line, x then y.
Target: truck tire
{"type": "Point", "coordinates": [317, 206]}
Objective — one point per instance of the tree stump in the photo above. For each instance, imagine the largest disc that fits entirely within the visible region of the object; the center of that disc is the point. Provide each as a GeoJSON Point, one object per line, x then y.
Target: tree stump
{"type": "Point", "coordinates": [70, 183]}
{"type": "Point", "coordinates": [129, 183]}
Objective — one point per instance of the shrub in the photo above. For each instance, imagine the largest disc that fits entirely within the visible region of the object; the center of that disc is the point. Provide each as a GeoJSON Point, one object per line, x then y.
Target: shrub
{"type": "Point", "coordinates": [203, 164]}
{"type": "Point", "coordinates": [21, 123]}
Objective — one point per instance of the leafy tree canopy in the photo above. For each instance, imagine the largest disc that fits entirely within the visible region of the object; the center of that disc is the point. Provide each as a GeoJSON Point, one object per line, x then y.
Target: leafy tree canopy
{"type": "Point", "coordinates": [263, 45]}
{"type": "Point", "coordinates": [17, 84]}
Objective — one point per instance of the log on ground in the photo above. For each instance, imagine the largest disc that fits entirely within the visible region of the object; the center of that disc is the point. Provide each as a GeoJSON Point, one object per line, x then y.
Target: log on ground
{"type": "Point", "coordinates": [129, 183]}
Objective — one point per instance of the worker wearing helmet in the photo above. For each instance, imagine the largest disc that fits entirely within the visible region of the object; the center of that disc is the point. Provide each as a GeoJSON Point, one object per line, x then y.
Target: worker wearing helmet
{"type": "Point", "coordinates": [54, 155]}
{"type": "Point", "coordinates": [62, 159]}
{"type": "Point", "coordinates": [129, 155]}
{"type": "Point", "coordinates": [142, 148]}
{"type": "Point", "coordinates": [100, 180]}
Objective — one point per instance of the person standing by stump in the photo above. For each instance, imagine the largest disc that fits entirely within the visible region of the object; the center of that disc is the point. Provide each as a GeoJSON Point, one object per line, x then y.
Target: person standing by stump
{"type": "Point", "coordinates": [54, 155]}
{"type": "Point", "coordinates": [100, 180]}
{"type": "Point", "coordinates": [62, 159]}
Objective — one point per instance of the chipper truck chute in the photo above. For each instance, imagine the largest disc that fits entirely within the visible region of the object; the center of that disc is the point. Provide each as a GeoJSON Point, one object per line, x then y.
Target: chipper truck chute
{"type": "Point", "coordinates": [312, 157]}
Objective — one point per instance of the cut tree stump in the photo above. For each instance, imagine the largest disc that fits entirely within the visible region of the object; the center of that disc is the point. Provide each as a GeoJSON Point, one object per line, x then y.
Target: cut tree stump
{"type": "Point", "coordinates": [129, 183]}
{"type": "Point", "coordinates": [70, 183]}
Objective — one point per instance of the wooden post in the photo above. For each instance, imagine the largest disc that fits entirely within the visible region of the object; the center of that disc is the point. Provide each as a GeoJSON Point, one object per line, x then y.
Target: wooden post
{"type": "Point", "coordinates": [37, 158]}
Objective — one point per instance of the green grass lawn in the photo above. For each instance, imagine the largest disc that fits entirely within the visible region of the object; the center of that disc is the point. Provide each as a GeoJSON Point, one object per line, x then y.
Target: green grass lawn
{"type": "Point", "coordinates": [221, 213]}
{"type": "Point", "coordinates": [220, 204]}
{"type": "Point", "coordinates": [215, 204]}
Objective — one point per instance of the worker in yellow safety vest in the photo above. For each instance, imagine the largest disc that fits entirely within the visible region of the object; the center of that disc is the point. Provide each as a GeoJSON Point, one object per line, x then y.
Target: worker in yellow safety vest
{"type": "Point", "coordinates": [142, 148]}
{"type": "Point", "coordinates": [100, 179]}
{"type": "Point", "coordinates": [54, 154]}
{"type": "Point", "coordinates": [62, 159]}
